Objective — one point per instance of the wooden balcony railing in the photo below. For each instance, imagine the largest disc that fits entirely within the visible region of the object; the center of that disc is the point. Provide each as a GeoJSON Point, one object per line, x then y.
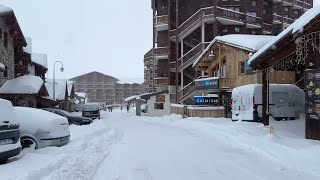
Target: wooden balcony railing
{"type": "Point", "coordinates": [186, 91]}
{"type": "Point", "coordinates": [160, 81]}
{"type": "Point", "coordinates": [161, 51]}
{"type": "Point", "coordinates": [149, 54]}
{"type": "Point", "coordinates": [267, 27]}
{"type": "Point", "coordinates": [192, 53]}
{"type": "Point", "coordinates": [161, 20]}
{"type": "Point", "coordinates": [254, 20]}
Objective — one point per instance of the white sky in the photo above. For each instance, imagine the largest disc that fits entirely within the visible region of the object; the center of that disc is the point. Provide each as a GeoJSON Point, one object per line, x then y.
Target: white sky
{"type": "Point", "coordinates": [88, 35]}
{"type": "Point", "coordinates": [316, 2]}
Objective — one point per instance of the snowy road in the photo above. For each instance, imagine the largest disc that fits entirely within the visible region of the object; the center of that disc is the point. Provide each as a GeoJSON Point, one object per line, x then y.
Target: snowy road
{"type": "Point", "coordinates": [126, 147]}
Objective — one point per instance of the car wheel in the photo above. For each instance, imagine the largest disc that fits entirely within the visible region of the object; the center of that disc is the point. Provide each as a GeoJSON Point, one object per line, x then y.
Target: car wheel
{"type": "Point", "coordinates": [3, 161]}
{"type": "Point", "coordinates": [28, 143]}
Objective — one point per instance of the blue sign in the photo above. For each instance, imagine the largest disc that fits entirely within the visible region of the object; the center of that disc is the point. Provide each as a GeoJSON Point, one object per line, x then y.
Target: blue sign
{"type": "Point", "coordinates": [204, 100]}
{"type": "Point", "coordinates": [207, 84]}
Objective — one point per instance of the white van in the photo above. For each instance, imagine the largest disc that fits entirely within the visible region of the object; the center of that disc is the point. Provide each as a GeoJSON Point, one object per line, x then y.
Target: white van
{"type": "Point", "coordinates": [287, 101]}
{"type": "Point", "coordinates": [9, 132]}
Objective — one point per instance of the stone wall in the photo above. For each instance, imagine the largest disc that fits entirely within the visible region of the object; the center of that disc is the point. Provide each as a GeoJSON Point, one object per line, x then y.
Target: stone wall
{"type": "Point", "coordinates": [192, 111]}
{"type": "Point", "coordinates": [6, 53]}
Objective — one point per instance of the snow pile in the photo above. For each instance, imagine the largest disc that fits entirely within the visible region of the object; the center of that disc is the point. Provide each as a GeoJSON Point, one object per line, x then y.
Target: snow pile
{"type": "Point", "coordinates": [28, 48]}
{"type": "Point", "coordinates": [5, 10]}
{"type": "Point", "coordinates": [297, 26]}
{"type": "Point", "coordinates": [60, 88]}
{"type": "Point", "coordinates": [40, 59]}
{"type": "Point", "coordinates": [27, 84]}
{"type": "Point", "coordinates": [247, 42]}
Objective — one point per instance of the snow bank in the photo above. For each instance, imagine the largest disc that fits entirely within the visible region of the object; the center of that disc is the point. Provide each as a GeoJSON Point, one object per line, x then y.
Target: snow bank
{"type": "Point", "coordinates": [27, 84]}
{"type": "Point", "coordinates": [40, 59]}
{"type": "Point", "coordinates": [298, 25]}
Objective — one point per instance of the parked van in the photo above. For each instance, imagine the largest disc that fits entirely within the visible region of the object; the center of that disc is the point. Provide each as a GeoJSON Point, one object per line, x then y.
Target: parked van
{"type": "Point", "coordinates": [9, 132]}
{"type": "Point", "coordinates": [286, 101]}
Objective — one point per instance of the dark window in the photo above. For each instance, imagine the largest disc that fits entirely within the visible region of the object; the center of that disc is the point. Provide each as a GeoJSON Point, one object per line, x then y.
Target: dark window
{"type": "Point", "coordinates": [254, 3]}
{"type": "Point", "coordinates": [241, 68]}
{"type": "Point", "coordinates": [5, 74]}
{"type": "Point", "coordinates": [0, 33]}
{"type": "Point", "coordinates": [5, 40]}
{"type": "Point", "coordinates": [158, 105]}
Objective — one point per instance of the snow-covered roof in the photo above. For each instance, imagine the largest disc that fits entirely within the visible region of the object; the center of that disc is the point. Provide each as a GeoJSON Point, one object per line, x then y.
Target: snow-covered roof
{"type": "Point", "coordinates": [28, 48]}
{"type": "Point", "coordinates": [60, 88]}
{"type": "Point", "coordinates": [131, 80]}
{"type": "Point", "coordinates": [4, 9]}
{"type": "Point", "coordinates": [70, 85]}
{"type": "Point", "coordinates": [131, 98]}
{"type": "Point", "coordinates": [2, 67]}
{"type": "Point", "coordinates": [81, 94]}
{"type": "Point", "coordinates": [243, 41]}
{"type": "Point", "coordinates": [40, 59]}
{"type": "Point", "coordinates": [209, 78]}
{"type": "Point", "coordinates": [297, 26]}
{"type": "Point", "coordinates": [27, 84]}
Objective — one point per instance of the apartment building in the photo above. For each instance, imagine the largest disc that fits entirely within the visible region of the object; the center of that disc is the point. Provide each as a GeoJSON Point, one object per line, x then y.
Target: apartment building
{"type": "Point", "coordinates": [184, 28]}
{"type": "Point", "coordinates": [104, 89]}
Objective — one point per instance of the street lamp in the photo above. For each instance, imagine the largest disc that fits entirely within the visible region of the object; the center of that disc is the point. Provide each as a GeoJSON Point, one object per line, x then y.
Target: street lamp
{"type": "Point", "coordinates": [54, 78]}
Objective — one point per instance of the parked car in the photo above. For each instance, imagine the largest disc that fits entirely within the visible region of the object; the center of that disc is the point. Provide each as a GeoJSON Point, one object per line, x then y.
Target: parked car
{"type": "Point", "coordinates": [39, 128]}
{"type": "Point", "coordinates": [286, 101]}
{"type": "Point", "coordinates": [9, 132]}
{"type": "Point", "coordinates": [73, 119]}
{"type": "Point", "coordinates": [91, 110]}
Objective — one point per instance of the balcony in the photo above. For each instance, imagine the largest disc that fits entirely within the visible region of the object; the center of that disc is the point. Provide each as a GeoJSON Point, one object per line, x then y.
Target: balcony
{"type": "Point", "coordinates": [254, 22]}
{"type": "Point", "coordinates": [173, 66]}
{"type": "Point", "coordinates": [161, 53]}
{"type": "Point", "coordinates": [161, 22]}
{"type": "Point", "coordinates": [267, 28]}
{"type": "Point", "coordinates": [161, 81]}
{"type": "Point", "coordinates": [229, 17]}
{"type": "Point", "coordinates": [148, 55]}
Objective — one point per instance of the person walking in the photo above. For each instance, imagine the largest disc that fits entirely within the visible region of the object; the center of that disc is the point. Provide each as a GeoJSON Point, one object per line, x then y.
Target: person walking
{"type": "Point", "coordinates": [127, 108]}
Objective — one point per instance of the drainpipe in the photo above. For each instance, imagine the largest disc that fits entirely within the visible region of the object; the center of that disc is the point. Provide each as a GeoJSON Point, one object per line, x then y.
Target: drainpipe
{"type": "Point", "coordinates": [177, 48]}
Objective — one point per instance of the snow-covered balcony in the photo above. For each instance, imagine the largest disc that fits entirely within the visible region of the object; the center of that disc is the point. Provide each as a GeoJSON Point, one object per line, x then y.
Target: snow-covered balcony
{"type": "Point", "coordinates": [277, 19]}
{"type": "Point", "coordinates": [161, 22]}
{"type": "Point", "coordinates": [253, 22]}
{"type": "Point", "coordinates": [161, 53]}
{"type": "Point", "coordinates": [161, 81]}
{"type": "Point", "coordinates": [229, 17]}
{"type": "Point", "coordinates": [267, 28]}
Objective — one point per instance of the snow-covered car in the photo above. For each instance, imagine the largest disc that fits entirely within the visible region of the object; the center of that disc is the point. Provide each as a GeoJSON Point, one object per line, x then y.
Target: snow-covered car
{"type": "Point", "coordinates": [41, 128]}
{"type": "Point", "coordinates": [73, 119]}
{"type": "Point", "coordinates": [9, 132]}
{"type": "Point", "coordinates": [91, 110]}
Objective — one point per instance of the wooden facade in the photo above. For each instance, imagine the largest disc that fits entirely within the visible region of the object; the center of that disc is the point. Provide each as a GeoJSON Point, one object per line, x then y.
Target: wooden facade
{"type": "Point", "coordinates": [295, 52]}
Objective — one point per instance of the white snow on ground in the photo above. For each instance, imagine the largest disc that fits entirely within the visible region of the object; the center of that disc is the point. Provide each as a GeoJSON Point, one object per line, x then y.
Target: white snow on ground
{"type": "Point", "coordinates": [122, 146]}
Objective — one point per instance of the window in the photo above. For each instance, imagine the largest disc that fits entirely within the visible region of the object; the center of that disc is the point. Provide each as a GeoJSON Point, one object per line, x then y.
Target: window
{"type": "Point", "coordinates": [296, 12]}
{"type": "Point", "coordinates": [237, 9]}
{"type": "Point", "coordinates": [252, 13]}
{"type": "Point", "coordinates": [225, 29]}
{"type": "Point", "coordinates": [286, 9]}
{"type": "Point", "coordinates": [241, 68]}
{"type": "Point", "coordinates": [158, 106]}
{"type": "Point", "coordinates": [254, 3]}
{"type": "Point", "coordinates": [5, 40]}
{"type": "Point", "coordinates": [5, 74]}
{"type": "Point", "coordinates": [236, 29]}
{"type": "Point", "coordinates": [254, 32]}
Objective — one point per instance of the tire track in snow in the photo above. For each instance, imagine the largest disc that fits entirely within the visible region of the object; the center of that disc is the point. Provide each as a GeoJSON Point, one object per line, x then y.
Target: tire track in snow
{"type": "Point", "coordinates": [80, 159]}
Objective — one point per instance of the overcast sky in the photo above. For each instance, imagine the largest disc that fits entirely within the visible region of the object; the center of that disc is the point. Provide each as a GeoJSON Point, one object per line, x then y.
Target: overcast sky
{"type": "Point", "coordinates": [88, 35]}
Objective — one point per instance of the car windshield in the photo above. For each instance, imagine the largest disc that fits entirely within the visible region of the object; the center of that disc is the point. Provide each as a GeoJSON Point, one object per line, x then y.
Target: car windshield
{"type": "Point", "coordinates": [66, 113]}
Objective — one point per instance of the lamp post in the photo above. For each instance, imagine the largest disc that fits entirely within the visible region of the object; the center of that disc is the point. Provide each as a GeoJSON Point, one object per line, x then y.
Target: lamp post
{"type": "Point", "coordinates": [54, 78]}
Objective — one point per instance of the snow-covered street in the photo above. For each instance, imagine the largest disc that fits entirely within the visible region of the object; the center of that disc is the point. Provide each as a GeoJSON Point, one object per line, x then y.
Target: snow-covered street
{"type": "Point", "coordinates": [123, 146]}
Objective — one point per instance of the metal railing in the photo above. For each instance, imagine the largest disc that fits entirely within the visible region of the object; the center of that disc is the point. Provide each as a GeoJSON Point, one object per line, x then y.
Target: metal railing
{"type": "Point", "coordinates": [230, 14]}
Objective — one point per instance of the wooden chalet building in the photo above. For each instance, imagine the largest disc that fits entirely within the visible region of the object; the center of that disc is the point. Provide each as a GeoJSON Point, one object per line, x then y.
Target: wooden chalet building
{"type": "Point", "coordinates": [296, 49]}
{"type": "Point", "coordinates": [182, 29]}
{"type": "Point", "coordinates": [224, 62]}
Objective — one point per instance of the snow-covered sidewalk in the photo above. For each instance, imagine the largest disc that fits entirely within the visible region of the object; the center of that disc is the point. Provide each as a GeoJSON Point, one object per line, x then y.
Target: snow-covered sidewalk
{"type": "Point", "coordinates": [123, 146]}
